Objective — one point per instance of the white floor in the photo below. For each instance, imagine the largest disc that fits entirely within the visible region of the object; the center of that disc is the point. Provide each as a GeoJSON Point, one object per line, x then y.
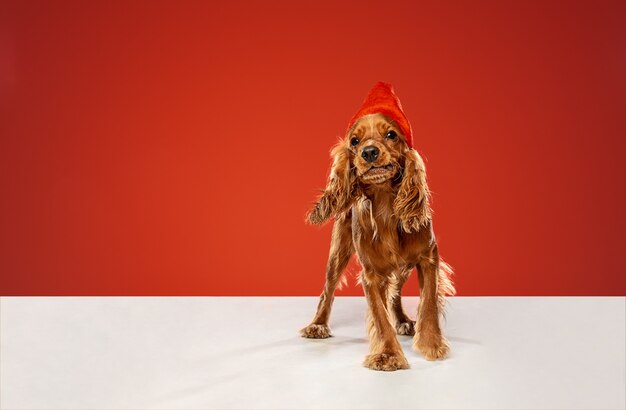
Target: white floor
{"type": "Point", "coordinates": [224, 353]}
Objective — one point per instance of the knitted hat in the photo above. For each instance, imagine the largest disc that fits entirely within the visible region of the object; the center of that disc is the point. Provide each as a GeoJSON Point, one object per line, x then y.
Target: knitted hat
{"type": "Point", "coordinates": [382, 99]}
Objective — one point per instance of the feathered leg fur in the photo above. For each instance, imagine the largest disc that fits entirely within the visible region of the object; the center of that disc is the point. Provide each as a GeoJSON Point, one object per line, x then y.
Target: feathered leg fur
{"type": "Point", "coordinates": [341, 248]}
{"type": "Point", "coordinates": [435, 283]}
{"type": "Point", "coordinates": [385, 350]}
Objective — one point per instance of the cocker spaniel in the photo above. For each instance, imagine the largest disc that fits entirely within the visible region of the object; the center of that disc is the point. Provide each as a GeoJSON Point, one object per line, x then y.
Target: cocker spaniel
{"type": "Point", "coordinates": [379, 199]}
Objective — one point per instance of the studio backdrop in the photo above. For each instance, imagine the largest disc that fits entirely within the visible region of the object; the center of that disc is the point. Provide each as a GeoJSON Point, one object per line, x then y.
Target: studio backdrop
{"type": "Point", "coordinates": [173, 148]}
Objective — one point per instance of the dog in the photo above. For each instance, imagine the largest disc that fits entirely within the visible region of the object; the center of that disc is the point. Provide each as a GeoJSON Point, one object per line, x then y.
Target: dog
{"type": "Point", "coordinates": [378, 195]}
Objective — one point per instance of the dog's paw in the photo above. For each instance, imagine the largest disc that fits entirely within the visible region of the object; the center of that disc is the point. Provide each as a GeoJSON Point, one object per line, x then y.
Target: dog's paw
{"type": "Point", "coordinates": [433, 347]}
{"type": "Point", "coordinates": [386, 361]}
{"type": "Point", "coordinates": [406, 328]}
{"type": "Point", "coordinates": [314, 331]}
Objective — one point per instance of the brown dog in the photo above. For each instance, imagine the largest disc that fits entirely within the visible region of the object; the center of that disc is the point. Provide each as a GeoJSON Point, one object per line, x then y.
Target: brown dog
{"type": "Point", "coordinates": [378, 195]}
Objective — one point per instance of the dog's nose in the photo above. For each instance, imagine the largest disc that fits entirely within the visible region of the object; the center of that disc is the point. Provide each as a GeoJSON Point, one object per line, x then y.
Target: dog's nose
{"type": "Point", "coordinates": [370, 153]}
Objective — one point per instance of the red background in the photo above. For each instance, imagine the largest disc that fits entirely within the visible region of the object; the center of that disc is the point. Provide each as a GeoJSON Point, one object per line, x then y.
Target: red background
{"type": "Point", "coordinates": [167, 148]}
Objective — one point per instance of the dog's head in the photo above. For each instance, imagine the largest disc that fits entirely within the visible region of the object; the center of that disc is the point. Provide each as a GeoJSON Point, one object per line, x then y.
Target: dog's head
{"type": "Point", "coordinates": [376, 145]}
{"type": "Point", "coordinates": [375, 153]}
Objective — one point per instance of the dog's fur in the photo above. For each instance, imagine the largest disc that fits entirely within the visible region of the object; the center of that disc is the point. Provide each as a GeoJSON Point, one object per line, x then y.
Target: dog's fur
{"type": "Point", "coordinates": [381, 211]}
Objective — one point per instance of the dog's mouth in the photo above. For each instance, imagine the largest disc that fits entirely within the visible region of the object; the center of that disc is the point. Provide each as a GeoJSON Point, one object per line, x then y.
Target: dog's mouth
{"type": "Point", "coordinates": [376, 175]}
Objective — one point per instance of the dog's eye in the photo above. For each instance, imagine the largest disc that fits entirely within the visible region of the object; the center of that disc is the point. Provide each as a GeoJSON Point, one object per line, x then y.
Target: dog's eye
{"type": "Point", "coordinates": [391, 135]}
{"type": "Point", "coordinates": [354, 141]}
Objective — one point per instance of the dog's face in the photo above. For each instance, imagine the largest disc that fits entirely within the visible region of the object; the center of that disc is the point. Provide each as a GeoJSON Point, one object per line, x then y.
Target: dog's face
{"type": "Point", "coordinates": [377, 146]}
{"type": "Point", "coordinates": [374, 156]}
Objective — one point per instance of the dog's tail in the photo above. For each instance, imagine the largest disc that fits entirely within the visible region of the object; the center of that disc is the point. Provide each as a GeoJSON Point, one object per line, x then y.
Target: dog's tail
{"type": "Point", "coordinates": [445, 286]}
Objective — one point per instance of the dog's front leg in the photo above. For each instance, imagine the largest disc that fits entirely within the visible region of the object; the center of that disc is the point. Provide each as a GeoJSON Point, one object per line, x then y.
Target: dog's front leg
{"type": "Point", "coordinates": [428, 338]}
{"type": "Point", "coordinates": [341, 249]}
{"type": "Point", "coordinates": [385, 350]}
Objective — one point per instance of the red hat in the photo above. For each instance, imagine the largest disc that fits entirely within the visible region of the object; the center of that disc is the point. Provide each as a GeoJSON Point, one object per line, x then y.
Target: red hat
{"type": "Point", "coordinates": [382, 99]}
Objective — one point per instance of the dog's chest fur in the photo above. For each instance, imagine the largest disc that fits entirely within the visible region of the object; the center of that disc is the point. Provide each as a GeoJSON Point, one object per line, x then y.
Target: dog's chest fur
{"type": "Point", "coordinates": [375, 232]}
{"type": "Point", "coordinates": [379, 242]}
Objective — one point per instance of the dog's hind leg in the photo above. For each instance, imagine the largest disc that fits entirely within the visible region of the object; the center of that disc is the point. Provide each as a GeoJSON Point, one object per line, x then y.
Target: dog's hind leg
{"type": "Point", "coordinates": [404, 325]}
{"type": "Point", "coordinates": [341, 249]}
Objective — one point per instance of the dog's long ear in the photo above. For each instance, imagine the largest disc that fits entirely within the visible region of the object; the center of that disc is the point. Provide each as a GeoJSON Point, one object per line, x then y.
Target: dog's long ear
{"type": "Point", "coordinates": [340, 190]}
{"type": "Point", "coordinates": [412, 202]}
